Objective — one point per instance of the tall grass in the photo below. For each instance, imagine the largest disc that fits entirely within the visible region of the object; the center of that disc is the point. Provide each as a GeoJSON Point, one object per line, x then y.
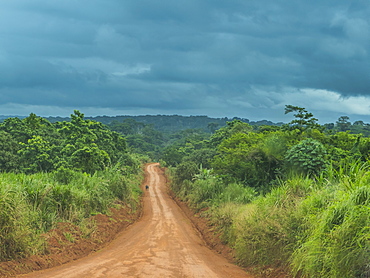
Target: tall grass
{"type": "Point", "coordinates": [210, 191]}
{"type": "Point", "coordinates": [267, 228]}
{"type": "Point", "coordinates": [33, 204]}
{"type": "Point", "coordinates": [336, 242]}
{"type": "Point", "coordinates": [316, 227]}
{"type": "Point", "coordinates": [15, 236]}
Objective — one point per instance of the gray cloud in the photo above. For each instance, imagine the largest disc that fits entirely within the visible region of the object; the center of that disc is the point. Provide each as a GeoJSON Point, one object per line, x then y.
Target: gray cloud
{"type": "Point", "coordinates": [235, 58]}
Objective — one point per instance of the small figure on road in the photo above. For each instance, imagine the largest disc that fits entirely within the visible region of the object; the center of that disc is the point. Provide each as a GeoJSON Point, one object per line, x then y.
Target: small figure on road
{"type": "Point", "coordinates": [146, 187]}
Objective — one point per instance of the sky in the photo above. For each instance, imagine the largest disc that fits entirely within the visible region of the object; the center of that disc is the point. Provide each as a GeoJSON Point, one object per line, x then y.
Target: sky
{"type": "Point", "coordinates": [237, 58]}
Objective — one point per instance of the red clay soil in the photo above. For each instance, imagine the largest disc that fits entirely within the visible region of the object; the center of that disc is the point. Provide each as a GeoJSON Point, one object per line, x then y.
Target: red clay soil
{"type": "Point", "coordinates": [165, 241]}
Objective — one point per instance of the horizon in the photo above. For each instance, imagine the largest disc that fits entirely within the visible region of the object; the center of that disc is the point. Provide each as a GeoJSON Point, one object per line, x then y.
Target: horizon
{"type": "Point", "coordinates": [2, 117]}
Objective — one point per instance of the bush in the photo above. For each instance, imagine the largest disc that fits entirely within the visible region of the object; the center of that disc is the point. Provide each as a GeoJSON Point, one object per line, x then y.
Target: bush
{"type": "Point", "coordinates": [307, 157]}
{"type": "Point", "coordinates": [64, 175]}
{"type": "Point", "coordinates": [184, 171]}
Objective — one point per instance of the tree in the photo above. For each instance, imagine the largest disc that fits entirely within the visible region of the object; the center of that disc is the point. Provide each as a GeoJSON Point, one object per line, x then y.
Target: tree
{"type": "Point", "coordinates": [172, 155]}
{"type": "Point", "coordinates": [242, 157]}
{"type": "Point", "coordinates": [212, 127]}
{"type": "Point", "coordinates": [236, 126]}
{"type": "Point", "coordinates": [90, 159]}
{"type": "Point", "coordinates": [343, 123]}
{"type": "Point", "coordinates": [35, 155]}
{"type": "Point", "coordinates": [9, 160]}
{"type": "Point", "coordinates": [34, 144]}
{"type": "Point", "coordinates": [202, 157]}
{"type": "Point", "coordinates": [16, 128]}
{"type": "Point", "coordinates": [304, 120]}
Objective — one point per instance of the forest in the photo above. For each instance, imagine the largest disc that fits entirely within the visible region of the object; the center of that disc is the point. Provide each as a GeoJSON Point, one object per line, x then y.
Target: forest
{"type": "Point", "coordinates": [294, 195]}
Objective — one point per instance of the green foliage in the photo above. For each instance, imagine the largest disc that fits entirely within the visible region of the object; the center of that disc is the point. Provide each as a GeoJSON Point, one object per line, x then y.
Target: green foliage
{"type": "Point", "coordinates": [307, 157]}
{"type": "Point", "coordinates": [249, 158]}
{"type": "Point", "coordinates": [35, 155]}
{"type": "Point", "coordinates": [236, 193]}
{"type": "Point", "coordinates": [267, 228]}
{"type": "Point", "coordinates": [172, 155]}
{"type": "Point", "coordinates": [90, 159]}
{"type": "Point", "coordinates": [35, 145]}
{"type": "Point", "coordinates": [202, 188]}
{"type": "Point", "coordinates": [224, 219]}
{"type": "Point", "coordinates": [312, 213]}
{"type": "Point", "coordinates": [9, 148]}
{"type": "Point", "coordinates": [184, 171]}
{"type": "Point", "coordinates": [275, 145]}
{"type": "Point", "coordinates": [64, 173]}
{"type": "Point", "coordinates": [14, 224]}
{"type": "Point", "coordinates": [162, 123]}
{"type": "Point", "coordinates": [202, 157]}
{"type": "Point", "coordinates": [343, 123]}
{"type": "Point", "coordinates": [303, 119]}
{"type": "Point", "coordinates": [337, 243]}
{"type": "Point", "coordinates": [317, 228]}
{"type": "Point", "coordinates": [204, 191]}
{"type": "Point", "coordinates": [33, 204]}
{"type": "Point", "coordinates": [350, 174]}
{"type": "Point", "coordinates": [229, 130]}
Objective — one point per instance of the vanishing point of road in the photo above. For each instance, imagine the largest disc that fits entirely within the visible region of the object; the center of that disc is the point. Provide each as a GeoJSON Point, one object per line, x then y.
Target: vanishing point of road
{"type": "Point", "coordinates": [163, 243]}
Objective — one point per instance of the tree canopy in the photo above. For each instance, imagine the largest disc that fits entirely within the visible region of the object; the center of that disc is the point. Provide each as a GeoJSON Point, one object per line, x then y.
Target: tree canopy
{"type": "Point", "coordinates": [33, 144]}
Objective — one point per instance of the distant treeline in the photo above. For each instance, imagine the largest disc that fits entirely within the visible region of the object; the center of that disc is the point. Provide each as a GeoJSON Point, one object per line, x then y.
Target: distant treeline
{"type": "Point", "coordinates": [173, 123]}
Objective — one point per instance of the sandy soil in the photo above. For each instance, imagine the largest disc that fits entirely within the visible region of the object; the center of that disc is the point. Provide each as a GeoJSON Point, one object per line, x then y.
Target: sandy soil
{"type": "Point", "coordinates": [163, 243]}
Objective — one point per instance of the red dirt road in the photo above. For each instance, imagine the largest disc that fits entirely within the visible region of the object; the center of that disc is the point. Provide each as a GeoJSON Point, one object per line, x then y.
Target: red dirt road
{"type": "Point", "coordinates": [163, 243]}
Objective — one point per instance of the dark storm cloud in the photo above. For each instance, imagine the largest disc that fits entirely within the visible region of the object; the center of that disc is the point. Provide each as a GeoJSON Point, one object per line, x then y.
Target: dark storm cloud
{"type": "Point", "coordinates": [198, 56]}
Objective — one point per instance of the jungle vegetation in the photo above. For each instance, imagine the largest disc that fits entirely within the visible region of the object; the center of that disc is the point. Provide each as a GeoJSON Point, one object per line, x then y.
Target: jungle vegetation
{"type": "Point", "coordinates": [60, 172]}
{"type": "Point", "coordinates": [295, 196]}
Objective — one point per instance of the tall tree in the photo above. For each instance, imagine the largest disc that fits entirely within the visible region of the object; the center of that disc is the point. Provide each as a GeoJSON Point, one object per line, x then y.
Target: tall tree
{"type": "Point", "coordinates": [303, 119]}
{"type": "Point", "coordinates": [343, 123]}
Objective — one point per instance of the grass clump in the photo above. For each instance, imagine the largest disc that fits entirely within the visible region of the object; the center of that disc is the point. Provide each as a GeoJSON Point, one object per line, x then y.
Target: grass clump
{"type": "Point", "coordinates": [33, 204]}
{"type": "Point", "coordinates": [267, 228]}
{"type": "Point", "coordinates": [315, 227]}
{"type": "Point", "coordinates": [15, 236]}
{"type": "Point", "coordinates": [336, 243]}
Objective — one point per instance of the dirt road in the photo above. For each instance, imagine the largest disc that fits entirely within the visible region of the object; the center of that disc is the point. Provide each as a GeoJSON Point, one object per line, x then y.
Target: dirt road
{"type": "Point", "coordinates": [162, 244]}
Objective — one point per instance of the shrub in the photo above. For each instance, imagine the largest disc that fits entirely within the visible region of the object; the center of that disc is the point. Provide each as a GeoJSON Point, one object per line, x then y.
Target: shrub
{"type": "Point", "coordinates": [184, 171]}
{"type": "Point", "coordinates": [64, 175]}
{"type": "Point", "coordinates": [307, 157]}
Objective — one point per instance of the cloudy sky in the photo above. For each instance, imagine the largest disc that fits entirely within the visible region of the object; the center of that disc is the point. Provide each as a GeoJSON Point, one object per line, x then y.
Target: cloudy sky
{"type": "Point", "coordinates": [217, 58]}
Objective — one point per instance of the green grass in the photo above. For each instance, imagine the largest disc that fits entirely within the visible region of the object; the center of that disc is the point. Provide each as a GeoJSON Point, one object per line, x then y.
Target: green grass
{"type": "Point", "coordinates": [33, 204]}
{"type": "Point", "coordinates": [314, 227]}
